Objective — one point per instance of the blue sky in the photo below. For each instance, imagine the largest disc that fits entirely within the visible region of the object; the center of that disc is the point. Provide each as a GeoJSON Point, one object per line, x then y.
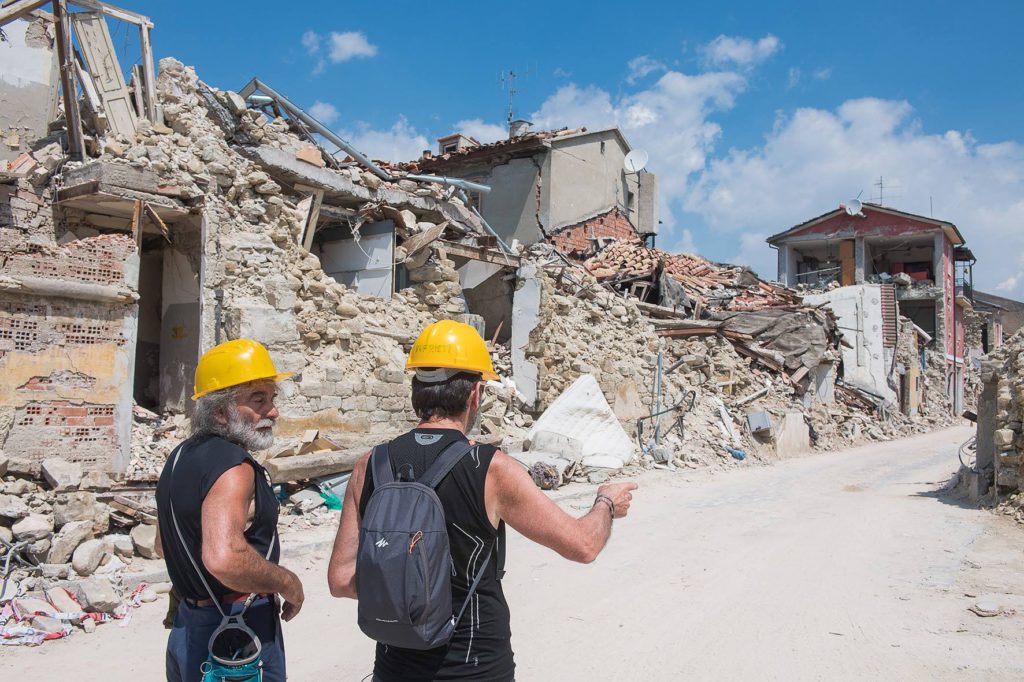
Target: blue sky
{"type": "Point", "coordinates": [756, 115]}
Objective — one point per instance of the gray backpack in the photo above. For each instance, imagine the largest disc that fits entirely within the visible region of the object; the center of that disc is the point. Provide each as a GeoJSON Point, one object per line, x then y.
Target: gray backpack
{"type": "Point", "coordinates": [404, 565]}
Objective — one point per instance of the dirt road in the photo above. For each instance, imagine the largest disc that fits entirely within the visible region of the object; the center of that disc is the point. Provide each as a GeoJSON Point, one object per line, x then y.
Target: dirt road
{"type": "Point", "coordinates": [833, 567]}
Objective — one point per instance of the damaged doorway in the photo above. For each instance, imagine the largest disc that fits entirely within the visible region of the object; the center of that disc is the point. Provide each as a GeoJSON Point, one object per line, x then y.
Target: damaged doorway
{"type": "Point", "coordinates": [169, 320]}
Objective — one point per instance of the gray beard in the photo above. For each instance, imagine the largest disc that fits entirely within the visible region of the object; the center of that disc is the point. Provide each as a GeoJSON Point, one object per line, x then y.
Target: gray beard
{"type": "Point", "coordinates": [246, 433]}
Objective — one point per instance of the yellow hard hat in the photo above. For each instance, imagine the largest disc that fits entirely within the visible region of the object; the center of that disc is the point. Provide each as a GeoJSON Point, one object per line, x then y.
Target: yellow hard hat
{"type": "Point", "coordinates": [233, 363]}
{"type": "Point", "coordinates": [452, 345]}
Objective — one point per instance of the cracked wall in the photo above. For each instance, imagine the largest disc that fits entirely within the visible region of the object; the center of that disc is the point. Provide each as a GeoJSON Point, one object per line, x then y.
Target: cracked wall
{"type": "Point", "coordinates": [66, 363]}
{"type": "Point", "coordinates": [28, 85]}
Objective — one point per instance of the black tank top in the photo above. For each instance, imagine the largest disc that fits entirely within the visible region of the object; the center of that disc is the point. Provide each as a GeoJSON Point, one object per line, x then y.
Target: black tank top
{"type": "Point", "coordinates": [203, 459]}
{"type": "Point", "coordinates": [481, 648]}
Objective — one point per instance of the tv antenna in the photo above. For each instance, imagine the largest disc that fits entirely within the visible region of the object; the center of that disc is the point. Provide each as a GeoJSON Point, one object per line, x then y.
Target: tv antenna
{"type": "Point", "coordinates": [507, 81]}
{"type": "Point", "coordinates": [881, 191]}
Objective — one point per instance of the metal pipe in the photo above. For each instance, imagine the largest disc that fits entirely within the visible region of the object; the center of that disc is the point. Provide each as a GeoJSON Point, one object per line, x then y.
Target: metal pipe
{"type": "Point", "coordinates": [657, 402]}
{"type": "Point", "coordinates": [342, 144]}
{"type": "Point", "coordinates": [445, 180]}
{"type": "Point", "coordinates": [256, 84]}
{"type": "Point", "coordinates": [505, 249]}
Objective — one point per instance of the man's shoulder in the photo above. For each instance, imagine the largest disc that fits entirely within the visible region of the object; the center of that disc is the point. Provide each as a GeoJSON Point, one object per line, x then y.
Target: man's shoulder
{"type": "Point", "coordinates": [203, 452]}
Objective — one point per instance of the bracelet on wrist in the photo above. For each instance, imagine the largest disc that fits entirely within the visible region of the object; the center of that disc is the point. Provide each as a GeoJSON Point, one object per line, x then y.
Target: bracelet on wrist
{"type": "Point", "coordinates": [601, 497]}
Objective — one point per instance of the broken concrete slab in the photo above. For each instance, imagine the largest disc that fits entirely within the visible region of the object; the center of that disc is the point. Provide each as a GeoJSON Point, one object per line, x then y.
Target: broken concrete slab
{"type": "Point", "coordinates": [96, 595]}
{"type": "Point", "coordinates": [582, 413]}
{"type": "Point", "coordinates": [67, 540]}
{"type": "Point", "coordinates": [61, 474]}
{"type": "Point", "coordinates": [313, 465]}
{"type": "Point", "coordinates": [88, 556]}
{"type": "Point", "coordinates": [33, 527]}
{"type": "Point", "coordinates": [143, 537]}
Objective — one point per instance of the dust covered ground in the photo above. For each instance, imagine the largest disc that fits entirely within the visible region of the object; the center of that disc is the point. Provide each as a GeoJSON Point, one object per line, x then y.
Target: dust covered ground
{"type": "Point", "coordinates": [847, 565]}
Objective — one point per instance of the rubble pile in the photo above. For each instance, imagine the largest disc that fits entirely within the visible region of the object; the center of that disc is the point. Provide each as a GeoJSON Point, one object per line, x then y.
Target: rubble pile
{"type": "Point", "coordinates": [1004, 367]}
{"type": "Point", "coordinates": [70, 544]}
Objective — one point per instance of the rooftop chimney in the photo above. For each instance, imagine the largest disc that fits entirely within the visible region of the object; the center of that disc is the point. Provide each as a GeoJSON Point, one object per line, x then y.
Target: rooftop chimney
{"type": "Point", "coordinates": [518, 128]}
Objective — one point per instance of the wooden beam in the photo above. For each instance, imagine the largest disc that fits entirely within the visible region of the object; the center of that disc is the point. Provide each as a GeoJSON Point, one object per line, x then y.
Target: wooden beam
{"type": "Point", "coordinates": [115, 12]}
{"type": "Point", "coordinates": [158, 221]}
{"type": "Point", "coordinates": [313, 465]}
{"type": "Point", "coordinates": [312, 217]}
{"type": "Point", "coordinates": [17, 9]}
{"type": "Point", "coordinates": [92, 99]}
{"type": "Point", "coordinates": [148, 73]}
{"type": "Point", "coordinates": [418, 242]}
{"type": "Point", "coordinates": [480, 254]}
{"type": "Point", "coordinates": [73, 121]}
{"type": "Point", "coordinates": [137, 223]}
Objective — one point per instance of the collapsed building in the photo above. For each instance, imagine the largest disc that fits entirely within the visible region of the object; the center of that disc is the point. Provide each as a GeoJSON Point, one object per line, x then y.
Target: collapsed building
{"type": "Point", "coordinates": [873, 264]}
{"type": "Point", "coordinates": [143, 222]}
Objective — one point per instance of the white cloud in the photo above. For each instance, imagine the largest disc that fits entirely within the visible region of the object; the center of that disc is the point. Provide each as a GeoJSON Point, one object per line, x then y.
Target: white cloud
{"type": "Point", "coordinates": [1010, 283]}
{"type": "Point", "coordinates": [642, 66]}
{"type": "Point", "coordinates": [350, 45]}
{"type": "Point", "coordinates": [481, 131]}
{"type": "Point", "coordinates": [742, 52]}
{"type": "Point", "coordinates": [311, 41]}
{"type": "Point", "coordinates": [400, 142]}
{"type": "Point", "coordinates": [822, 74]}
{"type": "Point", "coordinates": [794, 78]}
{"type": "Point", "coordinates": [559, 72]}
{"type": "Point", "coordinates": [341, 47]}
{"type": "Point", "coordinates": [668, 119]}
{"type": "Point", "coordinates": [324, 112]}
{"type": "Point", "coordinates": [815, 158]}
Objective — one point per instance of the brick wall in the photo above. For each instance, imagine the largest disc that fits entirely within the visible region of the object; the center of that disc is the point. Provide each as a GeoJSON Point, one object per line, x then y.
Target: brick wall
{"type": "Point", "coordinates": [575, 239]}
{"type": "Point", "coordinates": [65, 387]}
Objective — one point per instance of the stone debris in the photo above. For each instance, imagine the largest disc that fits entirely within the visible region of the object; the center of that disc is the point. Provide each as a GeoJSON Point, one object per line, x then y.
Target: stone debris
{"type": "Point", "coordinates": [1002, 374]}
{"type": "Point", "coordinates": [674, 352]}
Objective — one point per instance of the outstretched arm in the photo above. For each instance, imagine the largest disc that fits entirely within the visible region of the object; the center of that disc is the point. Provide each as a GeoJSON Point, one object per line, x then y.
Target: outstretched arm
{"type": "Point", "coordinates": [513, 496]}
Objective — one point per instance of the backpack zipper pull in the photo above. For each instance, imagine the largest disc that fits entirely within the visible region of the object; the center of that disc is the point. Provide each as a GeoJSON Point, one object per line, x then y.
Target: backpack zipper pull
{"type": "Point", "coordinates": [417, 536]}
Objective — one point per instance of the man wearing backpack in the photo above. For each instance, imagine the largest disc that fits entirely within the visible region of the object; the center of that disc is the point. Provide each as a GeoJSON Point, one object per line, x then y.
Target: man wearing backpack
{"type": "Point", "coordinates": [217, 526]}
{"type": "Point", "coordinates": [421, 542]}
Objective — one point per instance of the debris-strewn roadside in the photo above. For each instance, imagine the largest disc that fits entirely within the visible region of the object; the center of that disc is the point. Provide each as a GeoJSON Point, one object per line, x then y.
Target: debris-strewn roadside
{"type": "Point", "coordinates": [214, 212]}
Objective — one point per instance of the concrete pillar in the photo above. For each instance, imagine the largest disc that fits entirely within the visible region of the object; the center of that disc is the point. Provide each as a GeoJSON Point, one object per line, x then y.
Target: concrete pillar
{"type": "Point", "coordinates": [859, 260]}
{"type": "Point", "coordinates": [787, 265]}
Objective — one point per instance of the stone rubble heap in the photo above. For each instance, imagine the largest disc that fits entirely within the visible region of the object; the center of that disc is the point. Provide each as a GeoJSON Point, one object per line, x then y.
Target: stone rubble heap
{"type": "Point", "coordinates": [1005, 368]}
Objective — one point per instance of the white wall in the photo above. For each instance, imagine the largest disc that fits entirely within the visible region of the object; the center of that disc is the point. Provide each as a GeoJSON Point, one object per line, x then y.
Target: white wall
{"type": "Point", "coordinates": [859, 309]}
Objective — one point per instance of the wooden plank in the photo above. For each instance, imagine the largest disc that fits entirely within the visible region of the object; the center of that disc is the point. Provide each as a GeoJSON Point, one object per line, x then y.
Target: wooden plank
{"type": "Point", "coordinates": [711, 325]}
{"type": "Point", "coordinates": [672, 333]}
{"type": "Point", "coordinates": [76, 141]}
{"type": "Point", "coordinates": [316, 200]}
{"type": "Point", "coordinates": [847, 263]}
{"type": "Point", "coordinates": [116, 12]}
{"type": "Point", "coordinates": [148, 72]}
{"type": "Point", "coordinates": [92, 99]}
{"type": "Point", "coordinates": [15, 10]}
{"type": "Point", "coordinates": [98, 50]}
{"type": "Point", "coordinates": [137, 223]}
{"type": "Point", "coordinates": [661, 311]}
{"type": "Point", "coordinates": [483, 255]}
{"type": "Point", "coordinates": [158, 221]}
{"type": "Point", "coordinates": [313, 465]}
{"type": "Point", "coordinates": [418, 242]}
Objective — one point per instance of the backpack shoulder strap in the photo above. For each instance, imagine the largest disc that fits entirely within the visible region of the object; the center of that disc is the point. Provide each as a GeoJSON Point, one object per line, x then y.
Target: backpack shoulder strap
{"type": "Point", "coordinates": [445, 462]}
{"type": "Point", "coordinates": [380, 462]}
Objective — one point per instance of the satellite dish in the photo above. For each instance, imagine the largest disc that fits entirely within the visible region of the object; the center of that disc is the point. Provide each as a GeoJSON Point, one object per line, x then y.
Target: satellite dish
{"type": "Point", "coordinates": [635, 161]}
{"type": "Point", "coordinates": [853, 207]}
